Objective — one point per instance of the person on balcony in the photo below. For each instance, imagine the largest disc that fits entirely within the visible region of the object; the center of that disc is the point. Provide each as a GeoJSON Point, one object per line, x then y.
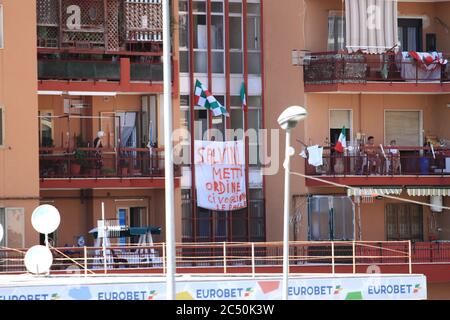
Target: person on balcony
{"type": "Point", "coordinates": [373, 156]}
{"type": "Point", "coordinates": [394, 157]}
{"type": "Point", "coordinates": [98, 145]}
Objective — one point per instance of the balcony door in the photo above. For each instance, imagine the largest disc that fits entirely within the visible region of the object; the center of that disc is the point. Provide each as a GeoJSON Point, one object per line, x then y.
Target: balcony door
{"type": "Point", "coordinates": [149, 121]}
{"type": "Point", "coordinates": [340, 118]}
{"type": "Point", "coordinates": [131, 217]}
{"type": "Point", "coordinates": [127, 129]}
{"type": "Point", "coordinates": [330, 218]}
{"type": "Point", "coordinates": [410, 34]}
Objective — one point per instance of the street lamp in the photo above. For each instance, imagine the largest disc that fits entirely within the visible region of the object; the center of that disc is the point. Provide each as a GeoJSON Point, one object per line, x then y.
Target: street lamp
{"type": "Point", "coordinates": [287, 121]}
{"type": "Point", "coordinates": [168, 154]}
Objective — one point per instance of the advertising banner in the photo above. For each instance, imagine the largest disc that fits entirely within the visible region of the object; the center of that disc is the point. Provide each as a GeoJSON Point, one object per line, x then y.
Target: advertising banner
{"type": "Point", "coordinates": [376, 287]}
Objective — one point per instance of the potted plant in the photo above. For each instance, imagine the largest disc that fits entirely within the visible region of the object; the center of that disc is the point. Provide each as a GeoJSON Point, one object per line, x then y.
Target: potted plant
{"type": "Point", "coordinates": [79, 161]}
{"type": "Point", "coordinates": [108, 171]}
{"type": "Point", "coordinates": [124, 164]}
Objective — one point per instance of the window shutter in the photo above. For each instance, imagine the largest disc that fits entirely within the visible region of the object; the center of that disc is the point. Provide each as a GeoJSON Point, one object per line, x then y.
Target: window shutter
{"type": "Point", "coordinates": [404, 127]}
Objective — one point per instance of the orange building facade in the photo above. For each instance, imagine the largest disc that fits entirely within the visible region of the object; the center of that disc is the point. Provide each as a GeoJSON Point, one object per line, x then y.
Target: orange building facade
{"type": "Point", "coordinates": [80, 72]}
{"type": "Point", "coordinates": [369, 95]}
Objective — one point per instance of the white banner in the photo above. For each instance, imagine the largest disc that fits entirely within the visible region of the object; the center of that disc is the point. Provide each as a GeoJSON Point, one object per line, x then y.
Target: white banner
{"type": "Point", "coordinates": [345, 287]}
{"type": "Point", "coordinates": [220, 175]}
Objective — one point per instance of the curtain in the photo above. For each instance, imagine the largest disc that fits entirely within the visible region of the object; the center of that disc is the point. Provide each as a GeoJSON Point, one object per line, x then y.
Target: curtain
{"type": "Point", "coordinates": [128, 128]}
{"type": "Point", "coordinates": [372, 25]}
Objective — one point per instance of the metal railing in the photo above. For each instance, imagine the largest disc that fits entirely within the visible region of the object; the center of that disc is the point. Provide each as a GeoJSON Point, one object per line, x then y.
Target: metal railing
{"type": "Point", "coordinates": [101, 163]}
{"type": "Point", "coordinates": [333, 67]}
{"type": "Point", "coordinates": [401, 164]}
{"type": "Point", "coordinates": [224, 257]}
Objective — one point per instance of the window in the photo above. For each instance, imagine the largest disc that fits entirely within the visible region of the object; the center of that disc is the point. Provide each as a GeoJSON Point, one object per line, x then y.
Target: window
{"type": "Point", "coordinates": [330, 218]}
{"type": "Point", "coordinates": [183, 31]}
{"type": "Point", "coordinates": [200, 124]}
{"type": "Point", "coordinates": [235, 32]}
{"type": "Point", "coordinates": [257, 216]}
{"type": "Point", "coordinates": [184, 139]}
{"type": "Point", "coordinates": [254, 124]}
{"type": "Point", "coordinates": [410, 34]}
{"type": "Point", "coordinates": [149, 120]}
{"type": "Point", "coordinates": [214, 226]}
{"type": "Point", "coordinates": [45, 128]}
{"type": "Point", "coordinates": [336, 31]}
{"type": "Point", "coordinates": [13, 222]}
{"type": "Point", "coordinates": [200, 37]}
{"type": "Point", "coordinates": [253, 38]}
{"type": "Point", "coordinates": [1, 27]}
{"type": "Point", "coordinates": [1, 126]}
{"type": "Point", "coordinates": [403, 126]}
{"type": "Point", "coordinates": [186, 215]}
{"type": "Point", "coordinates": [217, 38]}
{"type": "Point", "coordinates": [404, 222]}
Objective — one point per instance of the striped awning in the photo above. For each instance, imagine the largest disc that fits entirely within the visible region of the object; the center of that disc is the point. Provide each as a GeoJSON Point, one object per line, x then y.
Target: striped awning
{"type": "Point", "coordinates": [427, 192]}
{"type": "Point", "coordinates": [374, 191]}
{"type": "Point", "coordinates": [371, 25]}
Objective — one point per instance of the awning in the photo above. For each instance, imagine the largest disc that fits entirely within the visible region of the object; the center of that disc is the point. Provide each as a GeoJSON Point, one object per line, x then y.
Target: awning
{"type": "Point", "coordinates": [371, 25]}
{"type": "Point", "coordinates": [374, 191]}
{"type": "Point", "coordinates": [426, 192]}
{"type": "Point", "coordinates": [129, 231]}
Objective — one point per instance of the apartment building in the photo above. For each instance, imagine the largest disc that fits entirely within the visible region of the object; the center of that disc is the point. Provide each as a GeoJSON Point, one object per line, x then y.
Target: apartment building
{"type": "Point", "coordinates": [220, 45]}
{"type": "Point", "coordinates": [100, 75]}
{"type": "Point", "coordinates": [370, 81]}
{"type": "Point", "coordinates": [19, 173]}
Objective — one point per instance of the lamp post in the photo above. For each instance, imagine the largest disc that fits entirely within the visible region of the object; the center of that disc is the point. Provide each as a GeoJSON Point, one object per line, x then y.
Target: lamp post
{"type": "Point", "coordinates": [287, 121]}
{"type": "Point", "coordinates": [168, 155]}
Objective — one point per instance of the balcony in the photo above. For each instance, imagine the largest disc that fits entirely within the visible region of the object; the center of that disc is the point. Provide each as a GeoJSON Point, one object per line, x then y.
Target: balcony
{"type": "Point", "coordinates": [414, 166]}
{"type": "Point", "coordinates": [100, 75]}
{"type": "Point", "coordinates": [90, 167]}
{"type": "Point", "coordinates": [332, 72]}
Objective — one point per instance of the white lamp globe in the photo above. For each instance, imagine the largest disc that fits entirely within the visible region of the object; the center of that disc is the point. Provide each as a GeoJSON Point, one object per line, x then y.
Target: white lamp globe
{"type": "Point", "coordinates": [38, 260]}
{"type": "Point", "coordinates": [1, 233]}
{"type": "Point", "coordinates": [45, 219]}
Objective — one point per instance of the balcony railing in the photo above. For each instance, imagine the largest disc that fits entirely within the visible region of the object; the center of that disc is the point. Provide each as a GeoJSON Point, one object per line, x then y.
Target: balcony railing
{"type": "Point", "coordinates": [409, 161]}
{"type": "Point", "coordinates": [78, 70]}
{"type": "Point", "coordinates": [102, 163]}
{"type": "Point", "coordinates": [244, 257]}
{"type": "Point", "coordinates": [58, 69]}
{"type": "Point", "coordinates": [332, 67]}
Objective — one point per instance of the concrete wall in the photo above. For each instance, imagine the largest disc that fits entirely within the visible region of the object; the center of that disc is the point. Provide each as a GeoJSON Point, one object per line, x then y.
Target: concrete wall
{"type": "Point", "coordinates": [80, 210]}
{"type": "Point", "coordinates": [368, 113]}
{"type": "Point", "coordinates": [283, 88]}
{"type": "Point", "coordinates": [18, 97]}
{"type": "Point", "coordinates": [316, 21]}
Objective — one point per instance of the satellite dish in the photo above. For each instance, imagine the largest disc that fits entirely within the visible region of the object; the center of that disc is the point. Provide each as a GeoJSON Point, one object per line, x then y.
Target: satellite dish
{"type": "Point", "coordinates": [45, 219]}
{"type": "Point", "coordinates": [373, 268]}
{"type": "Point", "coordinates": [38, 260]}
{"type": "Point", "coordinates": [1, 233]}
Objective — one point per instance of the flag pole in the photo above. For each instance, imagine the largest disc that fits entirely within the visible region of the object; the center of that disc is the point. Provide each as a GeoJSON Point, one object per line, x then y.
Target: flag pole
{"type": "Point", "coordinates": [168, 156]}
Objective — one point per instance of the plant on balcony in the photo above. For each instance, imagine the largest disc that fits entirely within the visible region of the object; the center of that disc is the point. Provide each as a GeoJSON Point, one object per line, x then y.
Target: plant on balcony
{"type": "Point", "coordinates": [79, 161]}
{"type": "Point", "coordinates": [124, 165]}
{"type": "Point", "coordinates": [108, 171]}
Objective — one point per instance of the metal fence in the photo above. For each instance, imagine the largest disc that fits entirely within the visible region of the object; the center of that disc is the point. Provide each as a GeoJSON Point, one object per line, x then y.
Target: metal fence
{"type": "Point", "coordinates": [225, 257]}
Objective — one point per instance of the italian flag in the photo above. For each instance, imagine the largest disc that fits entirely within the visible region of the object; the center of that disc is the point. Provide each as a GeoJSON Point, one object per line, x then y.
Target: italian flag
{"type": "Point", "coordinates": [205, 99]}
{"type": "Point", "coordinates": [341, 144]}
{"type": "Point", "coordinates": [243, 96]}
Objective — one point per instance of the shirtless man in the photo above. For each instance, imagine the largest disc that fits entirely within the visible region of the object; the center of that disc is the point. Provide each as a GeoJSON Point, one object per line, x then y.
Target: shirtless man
{"type": "Point", "coordinates": [373, 156]}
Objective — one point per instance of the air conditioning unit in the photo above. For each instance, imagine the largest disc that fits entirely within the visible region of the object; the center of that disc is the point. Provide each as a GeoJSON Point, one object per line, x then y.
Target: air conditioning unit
{"type": "Point", "coordinates": [436, 202]}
